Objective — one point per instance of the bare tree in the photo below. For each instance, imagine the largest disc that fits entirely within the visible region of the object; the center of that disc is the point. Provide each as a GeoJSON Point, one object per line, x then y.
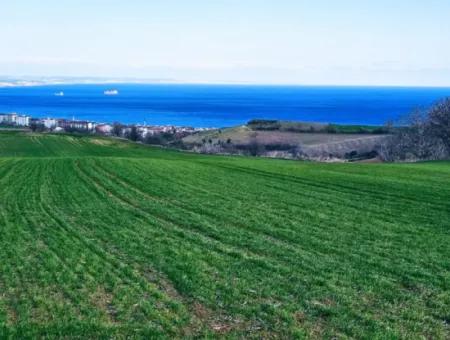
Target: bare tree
{"type": "Point", "coordinates": [255, 148]}
{"type": "Point", "coordinates": [423, 135]}
{"type": "Point", "coordinates": [438, 124]}
{"type": "Point", "coordinates": [298, 152]}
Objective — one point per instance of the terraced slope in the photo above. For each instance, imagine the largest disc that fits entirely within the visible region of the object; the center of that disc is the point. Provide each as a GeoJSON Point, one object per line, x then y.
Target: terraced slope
{"type": "Point", "coordinates": [100, 238]}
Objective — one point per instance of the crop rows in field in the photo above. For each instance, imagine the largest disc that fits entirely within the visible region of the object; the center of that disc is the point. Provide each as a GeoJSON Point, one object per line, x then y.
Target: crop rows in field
{"type": "Point", "coordinates": [166, 243]}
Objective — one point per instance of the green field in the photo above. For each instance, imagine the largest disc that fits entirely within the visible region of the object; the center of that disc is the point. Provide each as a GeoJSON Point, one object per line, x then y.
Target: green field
{"type": "Point", "coordinates": [106, 239]}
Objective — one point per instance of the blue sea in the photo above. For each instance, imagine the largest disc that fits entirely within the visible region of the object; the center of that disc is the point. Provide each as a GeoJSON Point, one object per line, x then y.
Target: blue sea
{"type": "Point", "coordinates": [219, 105]}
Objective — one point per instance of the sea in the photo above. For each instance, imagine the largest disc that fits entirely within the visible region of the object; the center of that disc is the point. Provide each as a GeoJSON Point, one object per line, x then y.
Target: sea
{"type": "Point", "coordinates": [218, 105]}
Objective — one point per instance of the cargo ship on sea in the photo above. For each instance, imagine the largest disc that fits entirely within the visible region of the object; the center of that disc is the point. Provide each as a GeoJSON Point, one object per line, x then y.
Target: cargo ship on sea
{"type": "Point", "coordinates": [111, 92]}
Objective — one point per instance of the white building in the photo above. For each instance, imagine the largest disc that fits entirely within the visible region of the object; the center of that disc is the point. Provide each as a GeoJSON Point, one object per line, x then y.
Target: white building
{"type": "Point", "coordinates": [91, 126]}
{"type": "Point", "coordinates": [9, 118]}
{"type": "Point", "coordinates": [76, 124]}
{"type": "Point", "coordinates": [23, 120]}
{"type": "Point", "coordinates": [49, 123]}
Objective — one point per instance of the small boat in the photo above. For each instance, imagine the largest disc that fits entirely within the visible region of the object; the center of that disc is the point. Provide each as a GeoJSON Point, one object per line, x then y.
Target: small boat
{"type": "Point", "coordinates": [59, 94]}
{"type": "Point", "coordinates": [111, 93]}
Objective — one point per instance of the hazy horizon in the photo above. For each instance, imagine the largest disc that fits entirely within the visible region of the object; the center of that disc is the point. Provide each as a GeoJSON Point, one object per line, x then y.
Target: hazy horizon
{"type": "Point", "coordinates": [29, 81]}
{"type": "Point", "coordinates": [286, 42]}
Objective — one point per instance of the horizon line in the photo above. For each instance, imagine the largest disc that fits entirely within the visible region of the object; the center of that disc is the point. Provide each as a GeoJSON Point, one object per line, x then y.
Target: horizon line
{"type": "Point", "coordinates": [35, 81]}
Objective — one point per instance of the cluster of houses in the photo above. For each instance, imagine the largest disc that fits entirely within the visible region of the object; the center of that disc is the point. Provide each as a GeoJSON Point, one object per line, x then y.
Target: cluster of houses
{"type": "Point", "coordinates": [15, 119]}
{"type": "Point", "coordinates": [145, 130]}
{"type": "Point", "coordinates": [60, 125]}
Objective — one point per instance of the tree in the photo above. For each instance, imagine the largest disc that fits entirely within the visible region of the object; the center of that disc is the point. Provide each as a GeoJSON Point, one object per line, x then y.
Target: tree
{"type": "Point", "coordinates": [37, 127]}
{"type": "Point", "coordinates": [134, 134]}
{"type": "Point", "coordinates": [33, 127]}
{"type": "Point", "coordinates": [438, 125]}
{"type": "Point", "coordinates": [330, 128]}
{"type": "Point", "coordinates": [424, 135]}
{"type": "Point", "coordinates": [254, 147]}
{"type": "Point", "coordinates": [117, 129]}
{"type": "Point", "coordinates": [297, 151]}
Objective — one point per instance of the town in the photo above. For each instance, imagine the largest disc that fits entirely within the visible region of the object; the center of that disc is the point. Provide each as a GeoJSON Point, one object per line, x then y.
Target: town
{"type": "Point", "coordinates": [131, 131]}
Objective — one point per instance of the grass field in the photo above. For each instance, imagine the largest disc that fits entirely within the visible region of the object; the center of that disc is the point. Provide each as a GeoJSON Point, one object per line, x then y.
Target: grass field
{"type": "Point", "coordinates": [106, 239]}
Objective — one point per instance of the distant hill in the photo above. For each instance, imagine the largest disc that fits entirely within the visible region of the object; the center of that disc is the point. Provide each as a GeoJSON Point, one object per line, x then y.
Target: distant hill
{"type": "Point", "coordinates": [292, 140]}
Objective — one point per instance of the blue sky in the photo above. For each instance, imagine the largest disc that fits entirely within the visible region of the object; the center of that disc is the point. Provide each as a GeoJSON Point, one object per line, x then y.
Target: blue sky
{"type": "Point", "coordinates": [285, 41]}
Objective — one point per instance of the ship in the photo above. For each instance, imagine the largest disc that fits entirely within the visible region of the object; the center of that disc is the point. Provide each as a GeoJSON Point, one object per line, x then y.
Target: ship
{"type": "Point", "coordinates": [59, 94]}
{"type": "Point", "coordinates": [111, 93]}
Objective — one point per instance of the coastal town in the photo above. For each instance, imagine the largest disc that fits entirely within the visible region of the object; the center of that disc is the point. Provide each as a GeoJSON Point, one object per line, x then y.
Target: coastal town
{"type": "Point", "coordinates": [16, 120]}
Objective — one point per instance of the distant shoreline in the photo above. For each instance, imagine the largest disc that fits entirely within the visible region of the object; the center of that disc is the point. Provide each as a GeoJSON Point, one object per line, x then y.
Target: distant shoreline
{"type": "Point", "coordinates": [8, 83]}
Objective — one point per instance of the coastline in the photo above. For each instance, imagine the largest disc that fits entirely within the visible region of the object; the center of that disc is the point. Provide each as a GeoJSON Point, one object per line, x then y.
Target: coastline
{"type": "Point", "coordinates": [216, 105]}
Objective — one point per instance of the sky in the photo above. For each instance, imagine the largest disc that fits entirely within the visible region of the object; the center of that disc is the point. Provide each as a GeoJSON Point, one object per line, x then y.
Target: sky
{"type": "Point", "coordinates": [317, 42]}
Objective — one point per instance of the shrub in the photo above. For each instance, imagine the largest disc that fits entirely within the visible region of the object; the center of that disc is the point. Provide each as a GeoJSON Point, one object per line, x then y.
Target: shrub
{"type": "Point", "coordinates": [331, 128]}
{"type": "Point", "coordinates": [263, 124]}
{"type": "Point", "coordinates": [154, 139]}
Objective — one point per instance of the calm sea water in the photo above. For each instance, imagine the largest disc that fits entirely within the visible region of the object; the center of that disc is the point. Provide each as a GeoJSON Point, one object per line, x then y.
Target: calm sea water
{"type": "Point", "coordinates": [217, 105]}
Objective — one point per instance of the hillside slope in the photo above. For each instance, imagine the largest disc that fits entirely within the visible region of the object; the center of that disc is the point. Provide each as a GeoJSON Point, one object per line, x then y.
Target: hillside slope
{"type": "Point", "coordinates": [101, 238]}
{"type": "Point", "coordinates": [318, 145]}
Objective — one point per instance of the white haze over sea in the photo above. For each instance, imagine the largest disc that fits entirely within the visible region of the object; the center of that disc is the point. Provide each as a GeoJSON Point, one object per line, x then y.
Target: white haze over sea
{"type": "Point", "coordinates": [42, 81]}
